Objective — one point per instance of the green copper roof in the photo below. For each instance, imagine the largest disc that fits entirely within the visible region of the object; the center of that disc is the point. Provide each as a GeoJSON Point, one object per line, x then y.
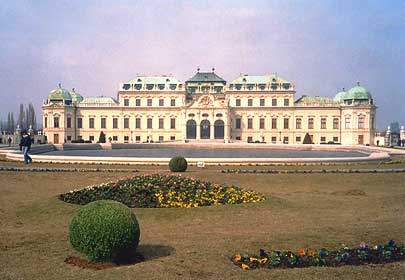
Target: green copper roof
{"type": "Point", "coordinates": [206, 77]}
{"type": "Point", "coordinates": [265, 79]}
{"type": "Point", "coordinates": [76, 97]}
{"type": "Point", "coordinates": [339, 97]}
{"type": "Point", "coordinates": [99, 100]}
{"type": "Point", "coordinates": [357, 93]}
{"type": "Point", "coordinates": [315, 100]}
{"type": "Point", "coordinates": [59, 94]}
{"type": "Point", "coordinates": [154, 80]}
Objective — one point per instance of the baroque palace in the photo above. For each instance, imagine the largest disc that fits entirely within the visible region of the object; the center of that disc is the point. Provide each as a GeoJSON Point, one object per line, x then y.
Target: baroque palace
{"type": "Point", "coordinates": [206, 108]}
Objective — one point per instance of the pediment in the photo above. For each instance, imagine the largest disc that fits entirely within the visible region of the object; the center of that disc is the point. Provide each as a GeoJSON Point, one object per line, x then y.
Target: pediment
{"type": "Point", "coordinates": [207, 101]}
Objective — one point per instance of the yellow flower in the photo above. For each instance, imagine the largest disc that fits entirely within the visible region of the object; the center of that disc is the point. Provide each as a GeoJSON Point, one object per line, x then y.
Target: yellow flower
{"type": "Point", "coordinates": [245, 266]}
{"type": "Point", "coordinates": [264, 260]}
{"type": "Point", "coordinates": [253, 259]}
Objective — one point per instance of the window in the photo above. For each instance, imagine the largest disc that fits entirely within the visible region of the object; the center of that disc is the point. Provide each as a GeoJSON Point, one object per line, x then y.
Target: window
{"type": "Point", "coordinates": [172, 138]}
{"type": "Point", "coordinates": [137, 102]}
{"type": "Point", "coordinates": [91, 138]}
{"type": "Point", "coordinates": [285, 140]}
{"type": "Point", "coordinates": [172, 102]}
{"type": "Point", "coordinates": [250, 139]}
{"type": "Point", "coordinates": [172, 123]}
{"type": "Point", "coordinates": [160, 138]}
{"type": "Point", "coordinates": [149, 123]}
{"type": "Point", "coordinates": [126, 102]}
{"type": "Point", "coordinates": [115, 138]}
{"type": "Point", "coordinates": [138, 123]}
{"type": "Point", "coordinates": [79, 123]}
{"type": "Point", "coordinates": [273, 139]}
{"type": "Point", "coordinates": [323, 139]}
{"type": "Point", "coordinates": [91, 122]}
{"type": "Point", "coordinates": [274, 102]}
{"type": "Point", "coordinates": [103, 123]}
{"type": "Point", "coordinates": [238, 123]}
{"type": "Point", "coordinates": [286, 123]}
{"type": "Point", "coordinates": [286, 102]}
{"type": "Point", "coordinates": [261, 123]}
{"type": "Point", "coordinates": [262, 101]}
{"type": "Point", "coordinates": [46, 122]}
{"type": "Point", "coordinates": [137, 138]}
{"type": "Point", "coordinates": [69, 138]}
{"type": "Point", "coordinates": [126, 122]}
{"type": "Point", "coordinates": [161, 124]}
{"type": "Point", "coordinates": [311, 123]}
{"type": "Point", "coordinates": [250, 123]}
{"type": "Point", "coordinates": [56, 122]}
{"type": "Point", "coordinates": [115, 122]}
{"type": "Point", "coordinates": [347, 122]}
{"type": "Point", "coordinates": [361, 121]}
{"type": "Point", "coordinates": [336, 139]}
{"type": "Point", "coordinates": [298, 139]}
{"type": "Point", "coordinates": [323, 123]}
{"type": "Point", "coordinates": [273, 123]}
{"type": "Point", "coordinates": [250, 102]}
{"type": "Point", "coordinates": [161, 102]}
{"type": "Point", "coordinates": [298, 124]}
{"type": "Point", "coordinates": [149, 102]}
{"type": "Point", "coordinates": [238, 102]}
{"type": "Point", "coordinates": [126, 139]}
{"type": "Point", "coordinates": [335, 123]}
{"type": "Point", "coordinates": [69, 122]}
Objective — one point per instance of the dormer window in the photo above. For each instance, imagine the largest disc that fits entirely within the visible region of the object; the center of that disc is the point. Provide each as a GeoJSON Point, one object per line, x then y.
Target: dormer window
{"type": "Point", "coordinates": [138, 86]}
{"type": "Point", "coordinates": [126, 86]}
{"type": "Point", "coordinates": [250, 86]}
{"type": "Point", "coordinates": [167, 80]}
{"type": "Point", "coordinates": [139, 81]}
{"type": "Point", "coordinates": [173, 86]}
{"type": "Point", "coordinates": [149, 86]}
{"type": "Point", "coordinates": [262, 86]}
{"type": "Point", "coordinates": [286, 86]}
{"type": "Point", "coordinates": [274, 86]}
{"type": "Point", "coordinates": [244, 80]}
{"type": "Point", "coordinates": [238, 86]}
{"type": "Point", "coordinates": [161, 86]}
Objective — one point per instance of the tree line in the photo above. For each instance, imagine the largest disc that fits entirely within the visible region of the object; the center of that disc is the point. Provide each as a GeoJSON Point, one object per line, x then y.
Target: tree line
{"type": "Point", "coordinates": [26, 118]}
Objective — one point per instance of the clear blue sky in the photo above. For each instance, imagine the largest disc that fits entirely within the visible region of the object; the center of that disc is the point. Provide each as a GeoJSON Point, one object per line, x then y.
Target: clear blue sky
{"type": "Point", "coordinates": [321, 46]}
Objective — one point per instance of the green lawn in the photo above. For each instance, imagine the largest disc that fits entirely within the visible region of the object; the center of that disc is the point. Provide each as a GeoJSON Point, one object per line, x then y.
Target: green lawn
{"type": "Point", "coordinates": [302, 210]}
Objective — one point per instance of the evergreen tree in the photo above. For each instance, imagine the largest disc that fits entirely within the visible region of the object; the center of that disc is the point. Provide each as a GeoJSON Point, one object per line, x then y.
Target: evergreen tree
{"type": "Point", "coordinates": [21, 118]}
{"type": "Point", "coordinates": [8, 122]}
{"type": "Point", "coordinates": [101, 139]}
{"type": "Point", "coordinates": [12, 123]}
{"type": "Point", "coordinates": [307, 139]}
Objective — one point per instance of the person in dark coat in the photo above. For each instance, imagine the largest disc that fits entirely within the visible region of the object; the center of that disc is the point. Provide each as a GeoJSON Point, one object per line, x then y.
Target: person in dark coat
{"type": "Point", "coordinates": [25, 146]}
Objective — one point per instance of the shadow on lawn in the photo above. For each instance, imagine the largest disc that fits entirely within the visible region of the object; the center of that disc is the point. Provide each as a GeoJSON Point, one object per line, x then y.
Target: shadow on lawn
{"type": "Point", "coordinates": [146, 252]}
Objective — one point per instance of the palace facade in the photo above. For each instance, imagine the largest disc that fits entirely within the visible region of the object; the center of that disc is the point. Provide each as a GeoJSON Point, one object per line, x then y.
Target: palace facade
{"type": "Point", "coordinates": [207, 108]}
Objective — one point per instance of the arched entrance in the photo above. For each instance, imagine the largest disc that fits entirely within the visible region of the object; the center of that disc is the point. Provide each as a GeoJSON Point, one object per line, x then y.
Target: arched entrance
{"type": "Point", "coordinates": [191, 132]}
{"type": "Point", "coordinates": [219, 129]}
{"type": "Point", "coordinates": [205, 129]}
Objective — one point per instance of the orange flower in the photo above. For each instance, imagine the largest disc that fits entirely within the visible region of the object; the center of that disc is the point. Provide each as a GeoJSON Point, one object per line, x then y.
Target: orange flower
{"type": "Point", "coordinates": [302, 252]}
{"type": "Point", "coordinates": [237, 257]}
{"type": "Point", "coordinates": [311, 253]}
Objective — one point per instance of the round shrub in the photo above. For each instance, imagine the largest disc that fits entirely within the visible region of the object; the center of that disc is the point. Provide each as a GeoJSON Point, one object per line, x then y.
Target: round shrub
{"type": "Point", "coordinates": [178, 164]}
{"type": "Point", "coordinates": [105, 230]}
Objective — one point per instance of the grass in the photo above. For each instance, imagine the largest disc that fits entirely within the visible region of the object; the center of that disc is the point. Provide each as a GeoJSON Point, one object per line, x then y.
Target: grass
{"type": "Point", "coordinates": [302, 210]}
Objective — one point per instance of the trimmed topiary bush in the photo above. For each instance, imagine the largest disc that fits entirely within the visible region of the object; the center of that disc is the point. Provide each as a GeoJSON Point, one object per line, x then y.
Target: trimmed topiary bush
{"type": "Point", "coordinates": [178, 164]}
{"type": "Point", "coordinates": [105, 230]}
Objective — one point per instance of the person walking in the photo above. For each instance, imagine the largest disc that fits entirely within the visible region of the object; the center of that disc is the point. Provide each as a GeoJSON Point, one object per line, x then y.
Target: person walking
{"type": "Point", "coordinates": [9, 141]}
{"type": "Point", "coordinates": [25, 146]}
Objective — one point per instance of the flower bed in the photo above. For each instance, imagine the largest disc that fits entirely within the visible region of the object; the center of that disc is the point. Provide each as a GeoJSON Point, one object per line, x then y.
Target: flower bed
{"type": "Point", "coordinates": [363, 254]}
{"type": "Point", "coordinates": [163, 191]}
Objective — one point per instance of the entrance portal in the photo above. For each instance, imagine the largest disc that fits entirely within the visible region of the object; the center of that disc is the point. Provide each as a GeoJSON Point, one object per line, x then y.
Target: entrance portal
{"type": "Point", "coordinates": [205, 129]}
{"type": "Point", "coordinates": [191, 132]}
{"type": "Point", "coordinates": [219, 129]}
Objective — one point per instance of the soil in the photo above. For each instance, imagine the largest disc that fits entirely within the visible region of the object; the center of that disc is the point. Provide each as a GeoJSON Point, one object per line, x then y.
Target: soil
{"type": "Point", "coordinates": [86, 264]}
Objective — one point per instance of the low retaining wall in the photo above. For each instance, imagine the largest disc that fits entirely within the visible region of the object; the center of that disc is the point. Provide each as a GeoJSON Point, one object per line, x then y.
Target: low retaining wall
{"type": "Point", "coordinates": [380, 156]}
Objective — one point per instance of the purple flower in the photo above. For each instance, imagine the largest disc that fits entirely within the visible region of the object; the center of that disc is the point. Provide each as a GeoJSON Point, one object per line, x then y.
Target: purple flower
{"type": "Point", "coordinates": [391, 243]}
{"type": "Point", "coordinates": [263, 254]}
{"type": "Point", "coordinates": [363, 245]}
{"type": "Point", "coordinates": [322, 254]}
